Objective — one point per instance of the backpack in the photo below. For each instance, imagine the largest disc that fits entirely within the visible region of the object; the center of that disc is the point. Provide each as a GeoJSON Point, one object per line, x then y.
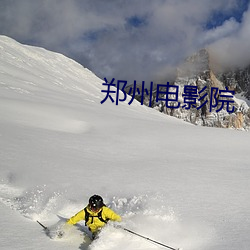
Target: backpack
{"type": "Point", "coordinates": [88, 216]}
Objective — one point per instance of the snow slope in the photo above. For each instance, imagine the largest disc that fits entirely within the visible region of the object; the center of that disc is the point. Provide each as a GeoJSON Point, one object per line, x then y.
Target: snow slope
{"type": "Point", "coordinates": [179, 184]}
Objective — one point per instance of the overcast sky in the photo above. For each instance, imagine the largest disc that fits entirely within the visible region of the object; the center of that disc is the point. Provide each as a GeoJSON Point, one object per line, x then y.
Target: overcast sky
{"type": "Point", "coordinates": [131, 39]}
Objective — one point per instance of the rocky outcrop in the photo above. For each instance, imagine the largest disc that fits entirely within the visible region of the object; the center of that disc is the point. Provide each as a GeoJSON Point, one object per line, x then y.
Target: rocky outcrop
{"type": "Point", "coordinates": [200, 73]}
{"type": "Point", "coordinates": [238, 79]}
{"type": "Point", "coordinates": [197, 71]}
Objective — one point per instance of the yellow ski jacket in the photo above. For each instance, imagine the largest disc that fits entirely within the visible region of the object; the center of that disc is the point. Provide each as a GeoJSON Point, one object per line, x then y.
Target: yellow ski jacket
{"type": "Point", "coordinates": [94, 223]}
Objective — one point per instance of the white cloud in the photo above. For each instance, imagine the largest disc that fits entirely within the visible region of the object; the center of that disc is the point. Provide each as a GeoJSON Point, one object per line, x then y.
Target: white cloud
{"type": "Point", "coordinates": [97, 33]}
{"type": "Point", "coordinates": [233, 50]}
{"type": "Point", "coordinates": [228, 28]}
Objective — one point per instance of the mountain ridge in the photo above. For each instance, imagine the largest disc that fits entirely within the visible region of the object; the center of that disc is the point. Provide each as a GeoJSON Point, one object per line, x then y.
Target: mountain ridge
{"type": "Point", "coordinates": [199, 71]}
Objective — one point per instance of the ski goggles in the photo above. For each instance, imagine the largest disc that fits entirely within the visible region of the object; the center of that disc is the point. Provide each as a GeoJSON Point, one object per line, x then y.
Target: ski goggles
{"type": "Point", "coordinates": [94, 208]}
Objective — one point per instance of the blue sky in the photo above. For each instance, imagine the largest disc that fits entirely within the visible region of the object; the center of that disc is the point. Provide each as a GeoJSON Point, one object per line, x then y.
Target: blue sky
{"type": "Point", "coordinates": [218, 17]}
{"type": "Point", "coordinates": [131, 39]}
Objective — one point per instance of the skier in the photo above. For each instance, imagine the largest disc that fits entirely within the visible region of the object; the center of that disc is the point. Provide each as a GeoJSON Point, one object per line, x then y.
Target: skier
{"type": "Point", "coordinates": [95, 214]}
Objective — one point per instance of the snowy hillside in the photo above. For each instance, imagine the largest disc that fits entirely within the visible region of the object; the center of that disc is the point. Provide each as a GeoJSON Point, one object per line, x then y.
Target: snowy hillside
{"type": "Point", "coordinates": [179, 184]}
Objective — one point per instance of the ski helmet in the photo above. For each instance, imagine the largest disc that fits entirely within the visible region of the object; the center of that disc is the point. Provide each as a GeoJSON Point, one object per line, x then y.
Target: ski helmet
{"type": "Point", "coordinates": [95, 202]}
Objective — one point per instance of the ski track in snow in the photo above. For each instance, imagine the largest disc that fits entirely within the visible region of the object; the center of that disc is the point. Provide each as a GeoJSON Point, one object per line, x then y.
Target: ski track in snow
{"type": "Point", "coordinates": [145, 214]}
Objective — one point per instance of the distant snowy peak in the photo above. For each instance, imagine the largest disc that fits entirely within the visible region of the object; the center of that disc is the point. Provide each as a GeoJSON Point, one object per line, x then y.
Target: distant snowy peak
{"type": "Point", "coordinates": [200, 71]}
{"type": "Point", "coordinates": [195, 65]}
{"type": "Point", "coordinates": [204, 64]}
{"type": "Point", "coordinates": [239, 79]}
{"type": "Point", "coordinates": [198, 67]}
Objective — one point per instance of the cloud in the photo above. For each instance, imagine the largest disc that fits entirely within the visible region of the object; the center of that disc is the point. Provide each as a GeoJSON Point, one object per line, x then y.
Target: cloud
{"type": "Point", "coordinates": [129, 40]}
{"type": "Point", "coordinates": [232, 50]}
{"type": "Point", "coordinates": [228, 28]}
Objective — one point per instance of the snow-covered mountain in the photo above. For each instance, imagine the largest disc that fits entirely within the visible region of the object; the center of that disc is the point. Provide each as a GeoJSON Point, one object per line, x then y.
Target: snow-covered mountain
{"type": "Point", "coordinates": [239, 79]}
{"type": "Point", "coordinates": [182, 185]}
{"type": "Point", "coordinates": [198, 70]}
{"type": "Point", "coordinates": [201, 72]}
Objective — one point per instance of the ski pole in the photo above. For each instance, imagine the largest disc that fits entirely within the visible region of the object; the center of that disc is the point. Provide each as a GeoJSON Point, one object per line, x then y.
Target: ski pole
{"type": "Point", "coordinates": [146, 238]}
{"type": "Point", "coordinates": [45, 228]}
